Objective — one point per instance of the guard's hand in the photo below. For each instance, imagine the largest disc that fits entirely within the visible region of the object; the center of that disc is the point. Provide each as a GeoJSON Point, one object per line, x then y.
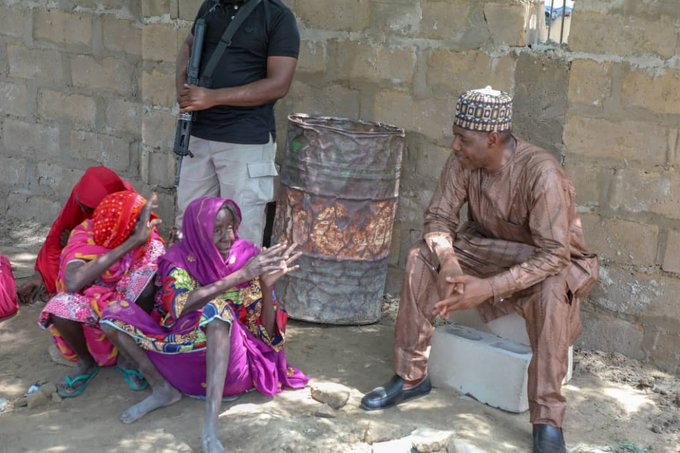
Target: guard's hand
{"type": "Point", "coordinates": [470, 292]}
{"type": "Point", "coordinates": [193, 98]}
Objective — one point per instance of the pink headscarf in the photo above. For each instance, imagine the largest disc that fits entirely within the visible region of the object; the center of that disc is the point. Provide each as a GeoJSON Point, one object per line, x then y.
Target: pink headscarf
{"type": "Point", "coordinates": [197, 254]}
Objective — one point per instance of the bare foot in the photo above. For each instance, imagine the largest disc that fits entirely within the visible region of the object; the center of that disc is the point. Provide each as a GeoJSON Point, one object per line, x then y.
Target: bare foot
{"type": "Point", "coordinates": [210, 442]}
{"type": "Point", "coordinates": [162, 396]}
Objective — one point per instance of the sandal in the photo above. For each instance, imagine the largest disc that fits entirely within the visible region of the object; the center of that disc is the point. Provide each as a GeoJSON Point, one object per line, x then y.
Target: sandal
{"type": "Point", "coordinates": [73, 387]}
{"type": "Point", "coordinates": [133, 378]}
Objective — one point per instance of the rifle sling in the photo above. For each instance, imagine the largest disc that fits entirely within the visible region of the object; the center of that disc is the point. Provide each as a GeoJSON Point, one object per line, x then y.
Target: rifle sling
{"type": "Point", "coordinates": [225, 41]}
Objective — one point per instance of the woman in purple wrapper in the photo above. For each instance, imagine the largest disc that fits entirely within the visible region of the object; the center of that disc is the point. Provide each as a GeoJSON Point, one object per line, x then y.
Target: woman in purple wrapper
{"type": "Point", "coordinates": [218, 330]}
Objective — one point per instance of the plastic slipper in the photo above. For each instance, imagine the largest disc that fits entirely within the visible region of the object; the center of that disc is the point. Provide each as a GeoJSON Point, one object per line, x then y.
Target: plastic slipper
{"type": "Point", "coordinates": [76, 385]}
{"type": "Point", "coordinates": [133, 378]}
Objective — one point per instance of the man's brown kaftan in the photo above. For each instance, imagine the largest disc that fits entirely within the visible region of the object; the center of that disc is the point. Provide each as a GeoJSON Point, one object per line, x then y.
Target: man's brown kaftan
{"type": "Point", "coordinates": [524, 234]}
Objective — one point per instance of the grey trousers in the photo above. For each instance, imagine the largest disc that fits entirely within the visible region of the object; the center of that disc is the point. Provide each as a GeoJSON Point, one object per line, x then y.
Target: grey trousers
{"type": "Point", "coordinates": [243, 173]}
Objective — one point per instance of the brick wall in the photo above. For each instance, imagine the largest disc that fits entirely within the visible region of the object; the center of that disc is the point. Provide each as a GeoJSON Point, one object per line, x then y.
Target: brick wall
{"type": "Point", "coordinates": [85, 82]}
{"type": "Point", "coordinates": [621, 137]}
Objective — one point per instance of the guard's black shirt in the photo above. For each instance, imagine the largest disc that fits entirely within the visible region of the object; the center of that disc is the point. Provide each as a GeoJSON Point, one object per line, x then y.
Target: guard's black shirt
{"type": "Point", "coordinates": [269, 30]}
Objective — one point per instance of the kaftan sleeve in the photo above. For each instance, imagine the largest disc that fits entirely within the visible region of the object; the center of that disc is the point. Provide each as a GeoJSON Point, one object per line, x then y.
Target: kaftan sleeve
{"type": "Point", "coordinates": [442, 216]}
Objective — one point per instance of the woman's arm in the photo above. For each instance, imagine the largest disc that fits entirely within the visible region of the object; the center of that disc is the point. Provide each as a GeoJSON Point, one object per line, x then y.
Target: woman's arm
{"type": "Point", "coordinates": [268, 314]}
{"type": "Point", "coordinates": [267, 281]}
{"type": "Point", "coordinates": [266, 262]}
{"type": "Point", "coordinates": [181, 64]}
{"type": "Point", "coordinates": [199, 297]}
{"type": "Point", "coordinates": [80, 274]}
{"type": "Point", "coordinates": [280, 71]}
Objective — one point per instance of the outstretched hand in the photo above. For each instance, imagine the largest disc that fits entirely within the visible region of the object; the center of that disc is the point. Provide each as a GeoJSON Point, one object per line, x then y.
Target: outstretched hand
{"type": "Point", "coordinates": [470, 292]}
{"type": "Point", "coordinates": [270, 263]}
{"type": "Point", "coordinates": [288, 257]}
{"type": "Point", "coordinates": [145, 225]}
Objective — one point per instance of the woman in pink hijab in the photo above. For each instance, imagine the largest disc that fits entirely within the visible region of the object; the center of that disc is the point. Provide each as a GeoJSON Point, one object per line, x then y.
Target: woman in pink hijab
{"type": "Point", "coordinates": [221, 330]}
{"type": "Point", "coordinates": [93, 186]}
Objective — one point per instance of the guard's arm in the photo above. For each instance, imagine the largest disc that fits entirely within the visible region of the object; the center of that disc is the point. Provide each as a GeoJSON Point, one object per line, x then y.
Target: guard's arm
{"type": "Point", "coordinates": [280, 71]}
{"type": "Point", "coordinates": [182, 63]}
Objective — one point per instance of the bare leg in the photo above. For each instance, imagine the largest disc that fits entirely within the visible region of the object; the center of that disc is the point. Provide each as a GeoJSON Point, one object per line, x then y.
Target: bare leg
{"type": "Point", "coordinates": [163, 394]}
{"type": "Point", "coordinates": [73, 335]}
{"type": "Point", "coordinates": [125, 363]}
{"type": "Point", "coordinates": [218, 361]}
{"type": "Point", "coordinates": [146, 302]}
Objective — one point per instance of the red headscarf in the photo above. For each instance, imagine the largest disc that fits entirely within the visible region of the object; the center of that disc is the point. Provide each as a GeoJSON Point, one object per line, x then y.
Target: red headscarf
{"type": "Point", "coordinates": [111, 225]}
{"type": "Point", "coordinates": [115, 218]}
{"type": "Point", "coordinates": [95, 184]}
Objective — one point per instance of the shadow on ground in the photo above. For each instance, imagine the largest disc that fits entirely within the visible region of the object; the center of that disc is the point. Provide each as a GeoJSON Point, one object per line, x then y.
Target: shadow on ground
{"type": "Point", "coordinates": [603, 413]}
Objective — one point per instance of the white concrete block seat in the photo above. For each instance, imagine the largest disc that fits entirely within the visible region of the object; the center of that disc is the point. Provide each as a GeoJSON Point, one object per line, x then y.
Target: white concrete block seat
{"type": "Point", "coordinates": [488, 361]}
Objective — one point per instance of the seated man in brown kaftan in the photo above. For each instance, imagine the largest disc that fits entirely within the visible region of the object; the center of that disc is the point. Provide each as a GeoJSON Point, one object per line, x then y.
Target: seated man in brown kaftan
{"type": "Point", "coordinates": [522, 250]}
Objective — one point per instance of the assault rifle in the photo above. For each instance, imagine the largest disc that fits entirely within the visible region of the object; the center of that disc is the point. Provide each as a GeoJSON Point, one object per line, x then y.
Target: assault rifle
{"type": "Point", "coordinates": [183, 131]}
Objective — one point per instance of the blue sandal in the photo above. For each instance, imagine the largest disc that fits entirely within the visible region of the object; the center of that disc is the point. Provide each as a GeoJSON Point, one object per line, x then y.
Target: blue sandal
{"type": "Point", "coordinates": [73, 387]}
{"type": "Point", "coordinates": [133, 378]}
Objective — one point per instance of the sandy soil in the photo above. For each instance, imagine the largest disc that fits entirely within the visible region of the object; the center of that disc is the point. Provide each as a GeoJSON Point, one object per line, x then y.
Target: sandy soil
{"type": "Point", "coordinates": [615, 404]}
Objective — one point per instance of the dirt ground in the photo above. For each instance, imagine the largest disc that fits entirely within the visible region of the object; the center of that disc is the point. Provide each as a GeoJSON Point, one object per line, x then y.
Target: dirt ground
{"type": "Point", "coordinates": [615, 403]}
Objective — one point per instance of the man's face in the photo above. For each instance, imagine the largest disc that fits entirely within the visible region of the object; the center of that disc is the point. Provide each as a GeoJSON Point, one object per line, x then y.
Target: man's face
{"type": "Point", "coordinates": [472, 147]}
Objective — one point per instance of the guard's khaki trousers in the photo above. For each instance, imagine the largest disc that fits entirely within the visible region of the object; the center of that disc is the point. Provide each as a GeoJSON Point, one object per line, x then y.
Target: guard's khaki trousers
{"type": "Point", "coordinates": [243, 173]}
{"type": "Point", "coordinates": [547, 308]}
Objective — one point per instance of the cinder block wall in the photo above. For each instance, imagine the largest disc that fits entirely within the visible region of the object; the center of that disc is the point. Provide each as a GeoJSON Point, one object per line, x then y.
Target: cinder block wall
{"type": "Point", "coordinates": [621, 138]}
{"type": "Point", "coordinates": [85, 82]}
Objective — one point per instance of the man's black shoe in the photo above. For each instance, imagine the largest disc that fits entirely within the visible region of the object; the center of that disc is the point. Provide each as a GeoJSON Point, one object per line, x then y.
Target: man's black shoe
{"type": "Point", "coordinates": [393, 393]}
{"type": "Point", "coordinates": [548, 439]}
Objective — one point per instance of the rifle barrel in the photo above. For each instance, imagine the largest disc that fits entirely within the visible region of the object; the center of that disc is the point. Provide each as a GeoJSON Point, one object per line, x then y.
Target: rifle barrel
{"type": "Point", "coordinates": [184, 120]}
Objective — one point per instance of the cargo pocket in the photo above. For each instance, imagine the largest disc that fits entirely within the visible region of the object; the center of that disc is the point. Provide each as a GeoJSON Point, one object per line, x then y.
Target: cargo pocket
{"type": "Point", "coordinates": [261, 176]}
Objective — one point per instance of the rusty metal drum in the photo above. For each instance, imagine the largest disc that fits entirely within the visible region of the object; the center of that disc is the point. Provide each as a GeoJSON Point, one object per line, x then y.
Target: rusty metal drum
{"type": "Point", "coordinates": [338, 200]}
